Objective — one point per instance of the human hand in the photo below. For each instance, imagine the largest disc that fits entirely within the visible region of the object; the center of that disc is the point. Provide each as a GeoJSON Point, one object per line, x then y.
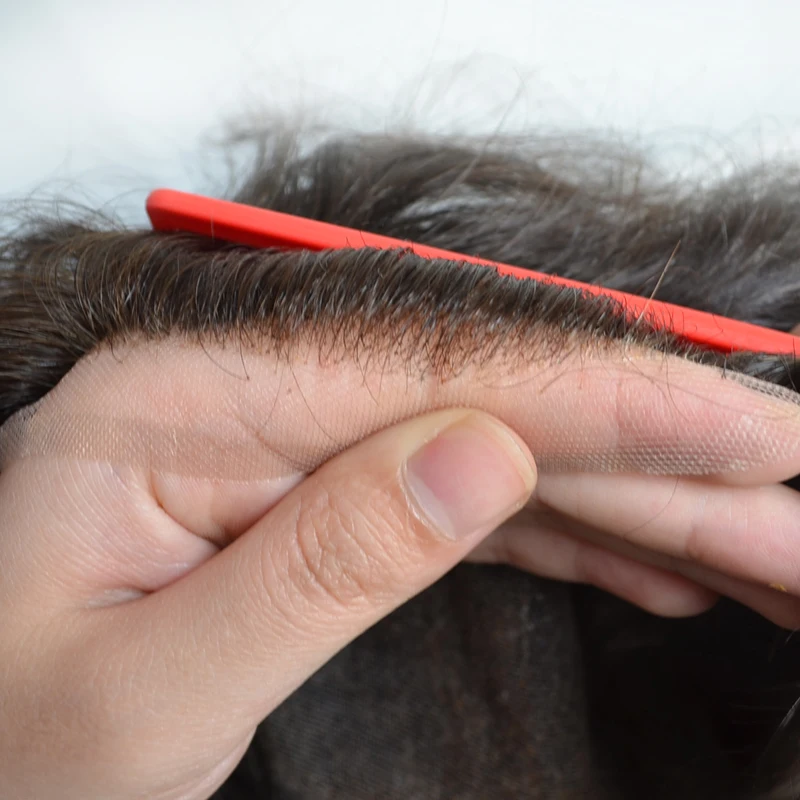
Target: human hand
{"type": "Point", "coordinates": [173, 566]}
{"type": "Point", "coordinates": [136, 660]}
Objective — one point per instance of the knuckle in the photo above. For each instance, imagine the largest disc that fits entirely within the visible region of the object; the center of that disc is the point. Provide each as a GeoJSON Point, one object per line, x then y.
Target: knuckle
{"type": "Point", "coordinates": [698, 544]}
{"type": "Point", "coordinates": [348, 552]}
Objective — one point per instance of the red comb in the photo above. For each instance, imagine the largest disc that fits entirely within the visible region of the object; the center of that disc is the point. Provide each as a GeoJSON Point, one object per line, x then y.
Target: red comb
{"type": "Point", "coordinates": [256, 227]}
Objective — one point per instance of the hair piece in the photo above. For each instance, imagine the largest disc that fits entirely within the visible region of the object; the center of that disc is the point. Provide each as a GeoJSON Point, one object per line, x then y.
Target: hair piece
{"type": "Point", "coordinates": [571, 714]}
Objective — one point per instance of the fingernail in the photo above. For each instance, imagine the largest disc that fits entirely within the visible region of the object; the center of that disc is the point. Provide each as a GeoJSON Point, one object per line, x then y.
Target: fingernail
{"type": "Point", "coordinates": [471, 477]}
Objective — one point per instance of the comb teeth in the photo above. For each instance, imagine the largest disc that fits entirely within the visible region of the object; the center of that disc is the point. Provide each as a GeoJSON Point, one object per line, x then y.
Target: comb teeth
{"type": "Point", "coordinates": [171, 210]}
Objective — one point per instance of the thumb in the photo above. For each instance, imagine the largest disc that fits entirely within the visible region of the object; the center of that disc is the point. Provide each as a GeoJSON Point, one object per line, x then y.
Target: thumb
{"type": "Point", "coordinates": [367, 531]}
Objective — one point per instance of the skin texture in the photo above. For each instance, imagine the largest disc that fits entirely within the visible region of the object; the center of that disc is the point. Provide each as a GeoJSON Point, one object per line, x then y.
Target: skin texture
{"type": "Point", "coordinates": [283, 421]}
{"type": "Point", "coordinates": [186, 409]}
{"type": "Point", "coordinates": [274, 604]}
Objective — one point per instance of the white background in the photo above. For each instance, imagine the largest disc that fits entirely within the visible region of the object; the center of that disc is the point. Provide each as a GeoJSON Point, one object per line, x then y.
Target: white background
{"type": "Point", "coordinates": [115, 96]}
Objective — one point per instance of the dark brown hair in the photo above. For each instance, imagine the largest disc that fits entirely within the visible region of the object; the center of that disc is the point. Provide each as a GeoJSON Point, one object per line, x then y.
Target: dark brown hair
{"type": "Point", "coordinates": [68, 285]}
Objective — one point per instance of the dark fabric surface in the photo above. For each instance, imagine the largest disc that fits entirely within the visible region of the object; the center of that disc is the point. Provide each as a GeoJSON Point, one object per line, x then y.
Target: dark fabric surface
{"type": "Point", "coordinates": [430, 705]}
{"type": "Point", "coordinates": [496, 684]}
